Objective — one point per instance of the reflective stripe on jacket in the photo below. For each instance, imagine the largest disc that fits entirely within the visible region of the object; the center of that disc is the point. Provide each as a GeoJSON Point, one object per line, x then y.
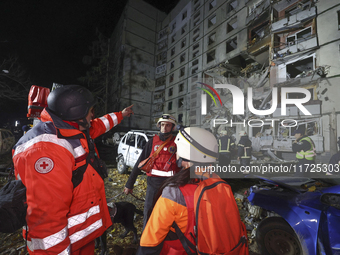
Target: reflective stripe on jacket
{"type": "Point", "coordinates": [244, 147]}
{"type": "Point", "coordinates": [164, 155]}
{"type": "Point", "coordinates": [60, 218]}
{"type": "Point", "coordinates": [225, 143]}
{"type": "Point", "coordinates": [310, 154]}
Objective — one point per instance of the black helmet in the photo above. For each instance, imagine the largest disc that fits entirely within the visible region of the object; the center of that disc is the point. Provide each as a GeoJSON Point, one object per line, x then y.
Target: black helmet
{"type": "Point", "coordinates": [70, 102]}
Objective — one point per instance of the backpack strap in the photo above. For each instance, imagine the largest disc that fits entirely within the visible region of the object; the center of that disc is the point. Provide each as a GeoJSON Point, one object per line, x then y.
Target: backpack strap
{"type": "Point", "coordinates": [188, 194]}
{"type": "Point", "coordinates": [187, 245]}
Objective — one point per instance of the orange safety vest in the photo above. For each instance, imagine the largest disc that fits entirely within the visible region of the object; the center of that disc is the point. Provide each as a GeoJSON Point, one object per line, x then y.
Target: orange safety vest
{"type": "Point", "coordinates": [60, 218]}
{"type": "Point", "coordinates": [169, 151]}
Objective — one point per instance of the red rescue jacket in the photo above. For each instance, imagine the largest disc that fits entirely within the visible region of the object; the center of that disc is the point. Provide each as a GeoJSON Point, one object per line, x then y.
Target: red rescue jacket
{"type": "Point", "coordinates": [61, 218]}
{"type": "Point", "coordinates": [168, 151]}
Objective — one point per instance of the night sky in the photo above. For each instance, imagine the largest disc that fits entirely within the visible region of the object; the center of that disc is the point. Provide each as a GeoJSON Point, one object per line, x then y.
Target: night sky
{"type": "Point", "coordinates": [51, 37]}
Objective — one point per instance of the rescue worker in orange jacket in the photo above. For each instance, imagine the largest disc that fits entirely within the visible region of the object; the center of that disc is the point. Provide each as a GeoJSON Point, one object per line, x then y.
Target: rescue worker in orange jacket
{"type": "Point", "coordinates": [159, 237]}
{"type": "Point", "coordinates": [171, 227]}
{"type": "Point", "coordinates": [158, 174]}
{"type": "Point", "coordinates": [56, 162]}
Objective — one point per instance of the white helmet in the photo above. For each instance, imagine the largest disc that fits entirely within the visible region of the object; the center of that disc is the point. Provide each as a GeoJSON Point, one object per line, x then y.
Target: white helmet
{"type": "Point", "coordinates": [197, 145]}
{"type": "Point", "coordinates": [242, 133]}
{"type": "Point", "coordinates": [223, 132]}
{"type": "Point", "coordinates": [168, 118]}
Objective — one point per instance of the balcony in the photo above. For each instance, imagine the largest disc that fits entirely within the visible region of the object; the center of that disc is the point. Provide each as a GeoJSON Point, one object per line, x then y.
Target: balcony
{"type": "Point", "coordinates": [299, 45]}
{"type": "Point", "coordinates": [294, 21]}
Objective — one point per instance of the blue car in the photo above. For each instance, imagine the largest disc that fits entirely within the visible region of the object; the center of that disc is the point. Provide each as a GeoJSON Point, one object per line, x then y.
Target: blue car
{"type": "Point", "coordinates": [296, 215]}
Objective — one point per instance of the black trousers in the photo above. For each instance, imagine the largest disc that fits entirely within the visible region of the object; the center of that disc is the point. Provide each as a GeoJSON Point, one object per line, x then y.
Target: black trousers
{"type": "Point", "coordinates": [154, 183]}
{"type": "Point", "coordinates": [224, 159]}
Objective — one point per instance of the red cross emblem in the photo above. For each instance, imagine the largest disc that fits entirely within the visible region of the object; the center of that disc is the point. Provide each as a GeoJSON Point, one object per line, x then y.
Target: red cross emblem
{"type": "Point", "coordinates": [44, 165]}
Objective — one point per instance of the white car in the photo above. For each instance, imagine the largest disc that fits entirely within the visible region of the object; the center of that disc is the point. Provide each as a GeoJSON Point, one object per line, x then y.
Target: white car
{"type": "Point", "coordinates": [130, 147]}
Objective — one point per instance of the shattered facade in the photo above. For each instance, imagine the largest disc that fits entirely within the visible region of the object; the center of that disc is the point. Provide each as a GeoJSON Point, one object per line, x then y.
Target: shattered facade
{"type": "Point", "coordinates": [258, 44]}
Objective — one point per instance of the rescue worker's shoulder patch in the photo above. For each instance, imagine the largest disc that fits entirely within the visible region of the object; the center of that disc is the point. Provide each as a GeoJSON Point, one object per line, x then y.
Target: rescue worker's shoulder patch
{"type": "Point", "coordinates": [44, 165]}
{"type": "Point", "coordinates": [172, 149]}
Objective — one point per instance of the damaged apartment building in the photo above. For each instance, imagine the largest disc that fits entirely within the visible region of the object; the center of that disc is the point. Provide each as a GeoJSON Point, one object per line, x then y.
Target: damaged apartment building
{"type": "Point", "coordinates": [260, 44]}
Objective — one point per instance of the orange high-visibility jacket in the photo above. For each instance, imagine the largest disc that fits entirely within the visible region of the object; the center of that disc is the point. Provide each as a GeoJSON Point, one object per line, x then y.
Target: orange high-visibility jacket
{"type": "Point", "coordinates": [169, 208]}
{"type": "Point", "coordinates": [61, 219]}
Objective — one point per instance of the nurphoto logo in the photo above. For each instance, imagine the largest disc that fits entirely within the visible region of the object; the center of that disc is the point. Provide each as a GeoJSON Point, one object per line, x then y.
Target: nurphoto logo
{"type": "Point", "coordinates": [238, 106]}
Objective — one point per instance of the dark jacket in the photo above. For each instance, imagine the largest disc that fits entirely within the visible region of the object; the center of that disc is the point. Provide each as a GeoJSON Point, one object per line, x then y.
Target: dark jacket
{"type": "Point", "coordinates": [244, 147]}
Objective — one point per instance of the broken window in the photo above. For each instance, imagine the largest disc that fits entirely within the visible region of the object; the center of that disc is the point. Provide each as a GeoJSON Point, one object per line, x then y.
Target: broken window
{"type": "Point", "coordinates": [302, 5]}
{"type": "Point", "coordinates": [171, 78]}
{"type": "Point", "coordinates": [212, 21]}
{"type": "Point", "coordinates": [290, 40]}
{"type": "Point", "coordinates": [173, 38]}
{"type": "Point", "coordinates": [180, 118]}
{"type": "Point", "coordinates": [184, 42]}
{"type": "Point", "coordinates": [172, 64]}
{"type": "Point", "coordinates": [184, 29]}
{"type": "Point", "coordinates": [232, 25]}
{"type": "Point", "coordinates": [212, 4]}
{"type": "Point", "coordinates": [195, 46]}
{"type": "Point", "coordinates": [172, 51]}
{"type": "Point", "coordinates": [304, 35]}
{"type": "Point", "coordinates": [158, 96]}
{"type": "Point", "coordinates": [170, 92]}
{"type": "Point", "coordinates": [259, 32]}
{"type": "Point", "coordinates": [195, 62]}
{"type": "Point", "coordinates": [195, 54]}
{"type": "Point", "coordinates": [181, 87]}
{"type": "Point", "coordinates": [194, 70]}
{"type": "Point", "coordinates": [210, 56]}
{"type": "Point", "coordinates": [184, 15]}
{"type": "Point", "coordinates": [211, 38]}
{"type": "Point", "coordinates": [180, 102]}
{"type": "Point", "coordinates": [182, 72]}
{"type": "Point", "coordinates": [300, 67]}
{"type": "Point", "coordinates": [173, 26]}
{"type": "Point", "coordinates": [231, 44]}
{"type": "Point", "coordinates": [232, 6]}
{"type": "Point", "coordinates": [169, 106]}
{"type": "Point", "coordinates": [160, 81]}
{"type": "Point", "coordinates": [253, 7]}
{"type": "Point", "coordinates": [182, 58]}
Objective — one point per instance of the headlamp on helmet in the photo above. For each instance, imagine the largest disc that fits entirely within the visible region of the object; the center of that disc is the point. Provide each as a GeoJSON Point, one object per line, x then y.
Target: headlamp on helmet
{"type": "Point", "coordinates": [167, 118]}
